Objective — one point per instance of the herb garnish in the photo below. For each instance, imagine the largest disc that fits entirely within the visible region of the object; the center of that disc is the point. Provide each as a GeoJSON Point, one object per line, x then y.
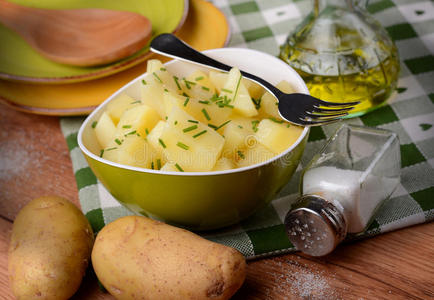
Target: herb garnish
{"type": "Point", "coordinates": [177, 83]}
{"type": "Point", "coordinates": [146, 131]}
{"type": "Point", "coordinates": [179, 167]}
{"type": "Point", "coordinates": [152, 165]}
{"type": "Point", "coordinates": [199, 78]}
{"type": "Point", "coordinates": [137, 101]}
{"type": "Point", "coordinates": [94, 124]}
{"type": "Point", "coordinates": [275, 120]}
{"type": "Point", "coordinates": [223, 124]}
{"type": "Point", "coordinates": [186, 101]}
{"type": "Point", "coordinates": [241, 154]}
{"type": "Point", "coordinates": [158, 164]}
{"type": "Point", "coordinates": [205, 88]}
{"type": "Point", "coordinates": [144, 82]}
{"type": "Point", "coordinates": [199, 134]}
{"type": "Point", "coordinates": [126, 126]}
{"type": "Point", "coordinates": [203, 102]}
{"type": "Point", "coordinates": [182, 145]}
{"type": "Point", "coordinates": [212, 126]}
{"type": "Point", "coordinates": [205, 113]}
{"type": "Point", "coordinates": [163, 69]}
{"type": "Point", "coordinates": [189, 128]}
{"type": "Point", "coordinates": [118, 141]}
{"type": "Point", "coordinates": [156, 76]}
{"type": "Point", "coordinates": [101, 153]}
{"type": "Point", "coordinates": [193, 121]}
{"type": "Point", "coordinates": [162, 143]}
{"type": "Point", "coordinates": [257, 102]}
{"type": "Point", "coordinates": [227, 91]}
{"type": "Point", "coordinates": [255, 125]}
{"type": "Point", "coordinates": [130, 133]}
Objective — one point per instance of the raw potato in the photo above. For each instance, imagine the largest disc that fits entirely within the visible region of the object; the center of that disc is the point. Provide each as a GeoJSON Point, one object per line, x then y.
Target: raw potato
{"type": "Point", "coordinates": [49, 250]}
{"type": "Point", "coordinates": [138, 258]}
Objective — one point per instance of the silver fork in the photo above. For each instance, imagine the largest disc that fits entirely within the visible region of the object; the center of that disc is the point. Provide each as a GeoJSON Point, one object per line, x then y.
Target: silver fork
{"type": "Point", "coordinates": [296, 108]}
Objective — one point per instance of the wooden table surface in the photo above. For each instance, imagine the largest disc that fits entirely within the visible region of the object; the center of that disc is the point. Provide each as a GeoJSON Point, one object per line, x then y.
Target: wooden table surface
{"type": "Point", "coordinates": [34, 161]}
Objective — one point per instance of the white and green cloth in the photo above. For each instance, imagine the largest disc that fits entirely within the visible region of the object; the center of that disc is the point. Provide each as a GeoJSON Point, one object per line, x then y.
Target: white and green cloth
{"type": "Point", "coordinates": [264, 25]}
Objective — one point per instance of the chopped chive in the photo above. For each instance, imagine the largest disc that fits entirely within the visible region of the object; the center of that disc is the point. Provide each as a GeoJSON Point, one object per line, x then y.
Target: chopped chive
{"type": "Point", "coordinates": [166, 118]}
{"type": "Point", "coordinates": [163, 69]}
{"type": "Point", "coordinates": [177, 83]}
{"type": "Point", "coordinates": [204, 102]}
{"type": "Point", "coordinates": [94, 124]}
{"type": "Point", "coordinates": [162, 143]}
{"type": "Point", "coordinates": [205, 113]}
{"type": "Point", "coordinates": [199, 78]}
{"type": "Point", "coordinates": [227, 91]}
{"type": "Point", "coordinates": [126, 126]}
{"type": "Point", "coordinates": [212, 126]}
{"type": "Point", "coordinates": [156, 76]}
{"type": "Point", "coordinates": [144, 82]}
{"type": "Point", "coordinates": [223, 124]}
{"type": "Point", "coordinates": [239, 126]}
{"type": "Point", "coordinates": [146, 131]}
{"type": "Point", "coordinates": [186, 101]}
{"type": "Point", "coordinates": [241, 154]}
{"type": "Point", "coordinates": [275, 120]}
{"type": "Point", "coordinates": [152, 165]}
{"type": "Point", "coordinates": [179, 167]}
{"type": "Point", "coordinates": [166, 90]}
{"type": "Point", "coordinates": [182, 145]}
{"type": "Point", "coordinates": [193, 121]}
{"type": "Point", "coordinates": [255, 125]}
{"type": "Point", "coordinates": [112, 148]}
{"type": "Point", "coordinates": [101, 153]}
{"type": "Point", "coordinates": [118, 141]}
{"type": "Point", "coordinates": [199, 134]}
{"type": "Point", "coordinates": [189, 128]}
{"type": "Point", "coordinates": [205, 88]}
{"type": "Point", "coordinates": [187, 84]}
{"type": "Point", "coordinates": [277, 103]}
{"type": "Point", "coordinates": [137, 101]}
{"type": "Point", "coordinates": [238, 86]}
{"type": "Point", "coordinates": [288, 125]}
{"type": "Point", "coordinates": [185, 95]}
{"type": "Point", "coordinates": [158, 164]}
{"type": "Point", "coordinates": [130, 133]}
{"type": "Point", "coordinates": [257, 102]}
{"type": "Point", "coordinates": [176, 122]}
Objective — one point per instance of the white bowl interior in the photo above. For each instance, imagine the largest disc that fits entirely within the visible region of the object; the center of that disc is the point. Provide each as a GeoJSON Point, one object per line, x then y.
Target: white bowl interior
{"type": "Point", "coordinates": [255, 62]}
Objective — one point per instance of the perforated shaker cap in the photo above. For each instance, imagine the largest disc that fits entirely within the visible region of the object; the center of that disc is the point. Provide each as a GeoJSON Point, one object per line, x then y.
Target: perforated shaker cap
{"type": "Point", "coordinates": [315, 226]}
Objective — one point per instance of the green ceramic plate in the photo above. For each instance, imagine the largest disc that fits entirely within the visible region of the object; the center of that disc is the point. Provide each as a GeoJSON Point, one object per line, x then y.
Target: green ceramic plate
{"type": "Point", "coordinates": [18, 61]}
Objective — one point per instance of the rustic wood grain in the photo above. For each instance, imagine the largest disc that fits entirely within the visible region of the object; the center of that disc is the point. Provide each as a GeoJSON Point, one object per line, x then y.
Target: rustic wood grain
{"type": "Point", "coordinates": [396, 265]}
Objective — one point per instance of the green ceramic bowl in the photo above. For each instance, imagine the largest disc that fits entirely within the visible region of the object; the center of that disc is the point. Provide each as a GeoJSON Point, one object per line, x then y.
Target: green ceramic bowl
{"type": "Point", "coordinates": [199, 200]}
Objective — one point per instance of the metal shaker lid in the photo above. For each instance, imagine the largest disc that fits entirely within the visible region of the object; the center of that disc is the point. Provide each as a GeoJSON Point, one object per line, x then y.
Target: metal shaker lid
{"type": "Point", "coordinates": [315, 226]}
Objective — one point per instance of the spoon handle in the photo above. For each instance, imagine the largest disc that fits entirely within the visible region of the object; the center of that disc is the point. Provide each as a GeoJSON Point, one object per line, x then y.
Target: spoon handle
{"type": "Point", "coordinates": [169, 45]}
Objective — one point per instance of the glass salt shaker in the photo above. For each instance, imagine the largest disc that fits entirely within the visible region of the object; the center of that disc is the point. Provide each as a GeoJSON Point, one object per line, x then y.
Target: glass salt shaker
{"type": "Point", "coordinates": [342, 187]}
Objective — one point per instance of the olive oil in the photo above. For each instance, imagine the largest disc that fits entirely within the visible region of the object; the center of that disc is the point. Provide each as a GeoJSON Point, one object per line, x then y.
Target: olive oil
{"type": "Point", "coordinates": [343, 55]}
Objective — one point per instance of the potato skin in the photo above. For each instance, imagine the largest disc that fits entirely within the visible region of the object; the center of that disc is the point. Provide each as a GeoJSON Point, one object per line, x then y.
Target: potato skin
{"type": "Point", "coordinates": [49, 250]}
{"type": "Point", "coordinates": [135, 257]}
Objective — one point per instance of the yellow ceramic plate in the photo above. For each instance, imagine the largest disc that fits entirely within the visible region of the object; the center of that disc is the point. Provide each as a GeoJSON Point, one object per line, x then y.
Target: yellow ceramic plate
{"type": "Point", "coordinates": [205, 28]}
{"type": "Point", "coordinates": [19, 62]}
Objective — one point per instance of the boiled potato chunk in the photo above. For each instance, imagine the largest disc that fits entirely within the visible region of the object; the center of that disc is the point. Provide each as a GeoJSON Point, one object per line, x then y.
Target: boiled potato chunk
{"type": "Point", "coordinates": [242, 102]}
{"type": "Point", "coordinates": [219, 79]}
{"type": "Point", "coordinates": [105, 130]}
{"type": "Point", "coordinates": [170, 167]}
{"type": "Point", "coordinates": [158, 74]}
{"type": "Point", "coordinates": [133, 151]}
{"type": "Point", "coordinates": [224, 164]}
{"type": "Point", "coordinates": [135, 257]}
{"type": "Point", "coordinates": [193, 146]}
{"type": "Point", "coordinates": [152, 93]}
{"type": "Point", "coordinates": [49, 250]}
{"type": "Point", "coordinates": [154, 136]}
{"type": "Point", "coordinates": [116, 107]}
{"type": "Point", "coordinates": [199, 86]}
{"type": "Point", "coordinates": [203, 111]}
{"type": "Point", "coordinates": [254, 155]}
{"type": "Point", "coordinates": [268, 107]}
{"type": "Point", "coordinates": [277, 137]}
{"type": "Point", "coordinates": [236, 138]}
{"type": "Point", "coordinates": [140, 118]}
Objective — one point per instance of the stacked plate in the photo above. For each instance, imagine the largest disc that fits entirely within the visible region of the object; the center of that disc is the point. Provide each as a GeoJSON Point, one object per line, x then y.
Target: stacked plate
{"type": "Point", "coordinates": [32, 83]}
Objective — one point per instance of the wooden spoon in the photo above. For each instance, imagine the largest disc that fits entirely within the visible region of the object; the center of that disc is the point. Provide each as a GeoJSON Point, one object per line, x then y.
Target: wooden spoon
{"type": "Point", "coordinates": [81, 37]}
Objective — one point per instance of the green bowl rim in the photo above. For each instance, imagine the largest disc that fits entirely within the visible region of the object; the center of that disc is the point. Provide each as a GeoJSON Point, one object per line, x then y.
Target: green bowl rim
{"type": "Point", "coordinates": [212, 173]}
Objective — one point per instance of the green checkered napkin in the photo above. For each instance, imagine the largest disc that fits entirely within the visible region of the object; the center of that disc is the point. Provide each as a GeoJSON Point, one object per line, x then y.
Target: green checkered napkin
{"type": "Point", "coordinates": [264, 25]}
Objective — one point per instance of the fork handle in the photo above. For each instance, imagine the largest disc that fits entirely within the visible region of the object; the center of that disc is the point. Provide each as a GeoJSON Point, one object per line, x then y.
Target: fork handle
{"type": "Point", "coordinates": [169, 45]}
